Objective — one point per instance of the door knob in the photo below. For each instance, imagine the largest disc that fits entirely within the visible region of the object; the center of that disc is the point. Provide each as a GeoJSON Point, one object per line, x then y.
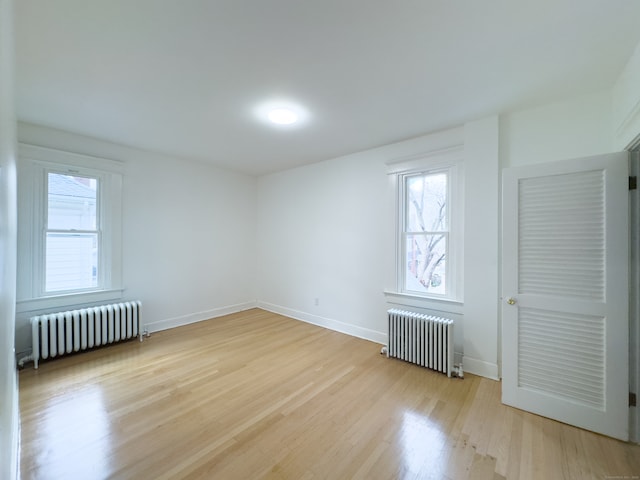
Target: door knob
{"type": "Point", "coordinates": [511, 301]}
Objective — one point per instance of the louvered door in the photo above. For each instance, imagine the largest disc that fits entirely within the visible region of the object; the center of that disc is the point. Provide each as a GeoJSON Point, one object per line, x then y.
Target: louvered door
{"type": "Point", "coordinates": [565, 291]}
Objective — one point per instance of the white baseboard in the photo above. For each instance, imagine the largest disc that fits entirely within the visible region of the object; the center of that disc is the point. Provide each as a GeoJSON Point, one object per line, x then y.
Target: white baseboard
{"type": "Point", "coordinates": [480, 367]}
{"type": "Point", "coordinates": [196, 317]}
{"type": "Point", "coordinates": [338, 326]}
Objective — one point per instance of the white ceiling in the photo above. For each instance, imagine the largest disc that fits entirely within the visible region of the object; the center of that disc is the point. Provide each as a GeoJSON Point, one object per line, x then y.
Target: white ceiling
{"type": "Point", "coordinates": [185, 77]}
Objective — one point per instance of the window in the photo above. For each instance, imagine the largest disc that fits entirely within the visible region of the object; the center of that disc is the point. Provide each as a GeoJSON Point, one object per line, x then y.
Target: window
{"type": "Point", "coordinates": [69, 231]}
{"type": "Point", "coordinates": [72, 237]}
{"type": "Point", "coordinates": [426, 233]}
{"type": "Point", "coordinates": [429, 243]}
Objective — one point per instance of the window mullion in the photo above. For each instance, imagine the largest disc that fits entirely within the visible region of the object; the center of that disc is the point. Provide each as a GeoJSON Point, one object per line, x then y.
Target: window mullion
{"type": "Point", "coordinates": [435, 232]}
{"type": "Point", "coordinates": [70, 231]}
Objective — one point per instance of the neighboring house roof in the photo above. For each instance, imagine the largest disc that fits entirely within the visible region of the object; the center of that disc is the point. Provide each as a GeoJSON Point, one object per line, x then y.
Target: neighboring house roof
{"type": "Point", "coordinates": [67, 186]}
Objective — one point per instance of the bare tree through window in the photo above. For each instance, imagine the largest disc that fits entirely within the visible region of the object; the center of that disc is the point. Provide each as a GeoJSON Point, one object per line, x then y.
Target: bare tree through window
{"type": "Point", "coordinates": [426, 232]}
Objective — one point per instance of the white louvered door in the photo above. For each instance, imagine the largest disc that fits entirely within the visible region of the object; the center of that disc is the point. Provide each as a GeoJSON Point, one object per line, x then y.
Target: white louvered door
{"type": "Point", "coordinates": [565, 292]}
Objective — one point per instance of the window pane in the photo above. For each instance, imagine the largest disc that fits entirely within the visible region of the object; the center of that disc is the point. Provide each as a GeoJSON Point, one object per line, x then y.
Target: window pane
{"type": "Point", "coordinates": [426, 263]}
{"type": "Point", "coordinates": [72, 261]}
{"type": "Point", "coordinates": [71, 202]}
{"type": "Point", "coordinates": [426, 200]}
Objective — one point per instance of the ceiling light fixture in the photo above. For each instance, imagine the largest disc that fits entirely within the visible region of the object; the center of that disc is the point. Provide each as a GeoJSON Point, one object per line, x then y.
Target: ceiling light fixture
{"type": "Point", "coordinates": [282, 116]}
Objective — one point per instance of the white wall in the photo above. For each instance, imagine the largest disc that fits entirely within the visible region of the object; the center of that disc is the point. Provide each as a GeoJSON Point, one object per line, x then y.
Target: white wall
{"type": "Point", "coordinates": [576, 127]}
{"type": "Point", "coordinates": [482, 209]}
{"type": "Point", "coordinates": [188, 233]}
{"type": "Point", "coordinates": [626, 104]}
{"type": "Point", "coordinates": [323, 232]}
{"type": "Point", "coordinates": [8, 385]}
{"type": "Point", "coordinates": [326, 231]}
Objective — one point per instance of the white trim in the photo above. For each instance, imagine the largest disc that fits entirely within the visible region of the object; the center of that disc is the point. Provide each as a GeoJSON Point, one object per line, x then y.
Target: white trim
{"type": "Point", "coordinates": [331, 324]}
{"type": "Point", "coordinates": [450, 161]}
{"type": "Point", "coordinates": [61, 157]}
{"type": "Point", "coordinates": [634, 297]}
{"type": "Point", "coordinates": [62, 301]}
{"type": "Point", "coordinates": [434, 159]}
{"type": "Point", "coordinates": [480, 367]}
{"type": "Point", "coordinates": [627, 136]}
{"type": "Point", "coordinates": [626, 104]}
{"type": "Point", "coordinates": [182, 320]}
{"type": "Point", "coordinates": [634, 145]}
{"type": "Point", "coordinates": [441, 305]}
{"type": "Point", "coordinates": [629, 118]}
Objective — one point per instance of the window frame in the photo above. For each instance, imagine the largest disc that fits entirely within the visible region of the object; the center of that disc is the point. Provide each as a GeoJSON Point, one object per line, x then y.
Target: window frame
{"type": "Point", "coordinates": [101, 219]}
{"type": "Point", "coordinates": [448, 161]}
{"type": "Point", "coordinates": [34, 165]}
{"type": "Point", "coordinates": [405, 232]}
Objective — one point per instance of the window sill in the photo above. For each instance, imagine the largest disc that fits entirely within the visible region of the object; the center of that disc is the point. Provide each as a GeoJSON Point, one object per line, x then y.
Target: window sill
{"type": "Point", "coordinates": [418, 301]}
{"type": "Point", "coordinates": [67, 301]}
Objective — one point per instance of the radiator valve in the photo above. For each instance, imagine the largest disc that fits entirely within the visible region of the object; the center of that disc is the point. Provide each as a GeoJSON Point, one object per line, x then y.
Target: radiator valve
{"type": "Point", "coordinates": [23, 360]}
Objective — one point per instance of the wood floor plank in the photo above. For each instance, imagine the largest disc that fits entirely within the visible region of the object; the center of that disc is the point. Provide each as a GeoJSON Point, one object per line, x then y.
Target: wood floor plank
{"type": "Point", "coordinates": [261, 396]}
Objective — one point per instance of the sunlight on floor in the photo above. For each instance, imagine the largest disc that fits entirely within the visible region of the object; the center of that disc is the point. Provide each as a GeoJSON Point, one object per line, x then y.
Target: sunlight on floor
{"type": "Point", "coordinates": [76, 432]}
{"type": "Point", "coordinates": [422, 441]}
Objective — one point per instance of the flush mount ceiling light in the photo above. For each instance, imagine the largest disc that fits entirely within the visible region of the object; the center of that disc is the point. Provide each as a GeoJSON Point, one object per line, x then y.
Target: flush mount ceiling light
{"type": "Point", "coordinates": [282, 116]}
{"type": "Point", "coordinates": [281, 113]}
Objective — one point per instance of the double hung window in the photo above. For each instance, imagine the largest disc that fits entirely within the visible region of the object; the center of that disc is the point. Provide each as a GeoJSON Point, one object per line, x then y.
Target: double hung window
{"type": "Point", "coordinates": [69, 229]}
{"type": "Point", "coordinates": [429, 232]}
{"type": "Point", "coordinates": [73, 245]}
{"type": "Point", "coordinates": [425, 233]}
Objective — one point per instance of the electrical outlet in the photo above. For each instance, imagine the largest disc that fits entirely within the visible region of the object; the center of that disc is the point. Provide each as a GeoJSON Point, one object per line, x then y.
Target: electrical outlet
{"type": "Point", "coordinates": [316, 301]}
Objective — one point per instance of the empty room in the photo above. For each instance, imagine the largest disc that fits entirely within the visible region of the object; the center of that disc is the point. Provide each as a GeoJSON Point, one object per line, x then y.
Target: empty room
{"type": "Point", "coordinates": [307, 240]}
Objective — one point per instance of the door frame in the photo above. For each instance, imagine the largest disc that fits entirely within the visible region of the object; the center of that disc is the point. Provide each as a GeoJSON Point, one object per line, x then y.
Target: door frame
{"type": "Point", "coordinates": [634, 295]}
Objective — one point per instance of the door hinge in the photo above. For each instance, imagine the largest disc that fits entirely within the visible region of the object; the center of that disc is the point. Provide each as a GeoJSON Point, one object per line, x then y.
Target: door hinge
{"type": "Point", "coordinates": [633, 183]}
{"type": "Point", "coordinates": [632, 399]}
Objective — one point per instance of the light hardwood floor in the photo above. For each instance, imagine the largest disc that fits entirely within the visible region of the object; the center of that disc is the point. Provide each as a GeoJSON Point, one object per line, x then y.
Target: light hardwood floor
{"type": "Point", "coordinates": [256, 395]}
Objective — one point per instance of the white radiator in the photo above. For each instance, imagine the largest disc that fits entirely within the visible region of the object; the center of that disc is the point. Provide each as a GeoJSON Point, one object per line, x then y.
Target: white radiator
{"type": "Point", "coordinates": [421, 339]}
{"type": "Point", "coordinates": [61, 333]}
